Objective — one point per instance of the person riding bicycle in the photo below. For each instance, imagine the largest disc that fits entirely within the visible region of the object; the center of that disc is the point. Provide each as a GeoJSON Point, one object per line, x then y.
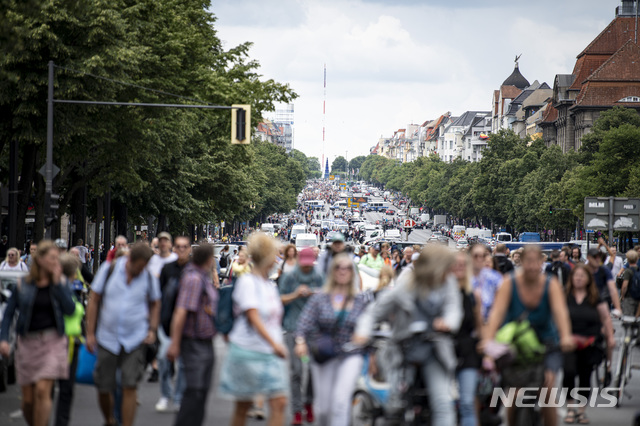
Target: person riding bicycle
{"type": "Point", "coordinates": [429, 294]}
{"type": "Point", "coordinates": [540, 295]}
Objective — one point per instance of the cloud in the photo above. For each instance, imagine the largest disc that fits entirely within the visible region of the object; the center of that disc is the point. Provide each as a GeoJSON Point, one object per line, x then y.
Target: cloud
{"type": "Point", "coordinates": [390, 63]}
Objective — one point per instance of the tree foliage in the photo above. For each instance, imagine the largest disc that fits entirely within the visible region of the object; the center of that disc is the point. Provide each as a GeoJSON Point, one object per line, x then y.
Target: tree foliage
{"type": "Point", "coordinates": [168, 163]}
{"type": "Point", "coordinates": [339, 165]}
{"type": "Point", "coordinates": [517, 180]}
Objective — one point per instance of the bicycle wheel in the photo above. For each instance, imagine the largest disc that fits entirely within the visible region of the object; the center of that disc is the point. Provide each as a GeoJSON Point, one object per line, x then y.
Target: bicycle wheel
{"type": "Point", "coordinates": [621, 378]}
{"type": "Point", "coordinates": [362, 410]}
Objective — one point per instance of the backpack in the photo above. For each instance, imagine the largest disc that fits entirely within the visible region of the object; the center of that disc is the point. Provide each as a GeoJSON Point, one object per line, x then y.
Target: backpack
{"type": "Point", "coordinates": [224, 316]}
{"type": "Point", "coordinates": [634, 285]}
{"type": "Point", "coordinates": [224, 260]}
{"type": "Point", "coordinates": [169, 298]}
{"type": "Point", "coordinates": [560, 271]}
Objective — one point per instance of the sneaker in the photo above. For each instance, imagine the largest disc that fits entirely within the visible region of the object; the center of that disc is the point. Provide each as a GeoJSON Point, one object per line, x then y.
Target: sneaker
{"type": "Point", "coordinates": [163, 405]}
{"type": "Point", "coordinates": [308, 408]}
{"type": "Point", "coordinates": [297, 419]}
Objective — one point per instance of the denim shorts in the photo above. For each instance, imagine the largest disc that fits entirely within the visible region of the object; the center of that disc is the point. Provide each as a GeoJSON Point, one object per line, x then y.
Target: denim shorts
{"type": "Point", "coordinates": [553, 361]}
{"type": "Point", "coordinates": [246, 373]}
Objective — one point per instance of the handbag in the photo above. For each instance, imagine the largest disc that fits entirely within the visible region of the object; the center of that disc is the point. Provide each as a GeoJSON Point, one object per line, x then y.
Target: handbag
{"type": "Point", "coordinates": [86, 365]}
{"type": "Point", "coordinates": [323, 348]}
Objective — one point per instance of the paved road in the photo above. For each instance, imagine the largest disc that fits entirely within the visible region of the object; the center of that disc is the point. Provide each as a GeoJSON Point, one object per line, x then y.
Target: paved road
{"type": "Point", "coordinates": [86, 412]}
{"type": "Point", "coordinates": [85, 408]}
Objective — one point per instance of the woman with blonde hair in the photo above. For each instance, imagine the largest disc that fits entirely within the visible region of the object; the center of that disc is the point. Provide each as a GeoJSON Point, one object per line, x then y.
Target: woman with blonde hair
{"type": "Point", "coordinates": [324, 327]}
{"type": "Point", "coordinates": [241, 265]}
{"type": "Point", "coordinates": [13, 262]}
{"type": "Point", "coordinates": [255, 364]}
{"type": "Point", "coordinates": [41, 354]}
{"type": "Point", "coordinates": [428, 297]}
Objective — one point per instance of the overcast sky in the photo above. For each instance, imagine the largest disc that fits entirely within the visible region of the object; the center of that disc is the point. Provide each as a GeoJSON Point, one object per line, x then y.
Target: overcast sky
{"type": "Point", "coordinates": [395, 62]}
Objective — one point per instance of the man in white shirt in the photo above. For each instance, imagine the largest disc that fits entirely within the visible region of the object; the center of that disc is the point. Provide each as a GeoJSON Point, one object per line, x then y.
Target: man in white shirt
{"type": "Point", "coordinates": [166, 255]}
{"type": "Point", "coordinates": [84, 252]}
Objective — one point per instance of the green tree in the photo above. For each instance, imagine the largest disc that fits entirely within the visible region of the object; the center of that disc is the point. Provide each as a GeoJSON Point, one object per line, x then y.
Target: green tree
{"type": "Point", "coordinates": [339, 165]}
{"type": "Point", "coordinates": [356, 163]}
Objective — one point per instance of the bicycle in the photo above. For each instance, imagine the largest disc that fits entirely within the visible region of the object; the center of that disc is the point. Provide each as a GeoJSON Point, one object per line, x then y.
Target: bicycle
{"type": "Point", "coordinates": [630, 339]}
{"type": "Point", "coordinates": [371, 396]}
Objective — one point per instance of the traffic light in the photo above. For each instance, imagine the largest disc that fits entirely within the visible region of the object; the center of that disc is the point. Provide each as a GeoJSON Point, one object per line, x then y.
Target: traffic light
{"type": "Point", "coordinates": [550, 209]}
{"type": "Point", "coordinates": [241, 124]}
{"type": "Point", "coordinates": [52, 201]}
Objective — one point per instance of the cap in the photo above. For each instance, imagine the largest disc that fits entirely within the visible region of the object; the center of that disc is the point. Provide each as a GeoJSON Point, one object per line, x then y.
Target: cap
{"type": "Point", "coordinates": [306, 257]}
{"type": "Point", "coordinates": [165, 235]}
{"type": "Point", "coordinates": [337, 238]}
{"type": "Point", "coordinates": [376, 246]}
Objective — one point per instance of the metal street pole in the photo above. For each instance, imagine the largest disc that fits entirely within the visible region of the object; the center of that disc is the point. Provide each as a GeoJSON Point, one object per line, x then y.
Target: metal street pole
{"type": "Point", "coordinates": [611, 221]}
{"type": "Point", "coordinates": [48, 178]}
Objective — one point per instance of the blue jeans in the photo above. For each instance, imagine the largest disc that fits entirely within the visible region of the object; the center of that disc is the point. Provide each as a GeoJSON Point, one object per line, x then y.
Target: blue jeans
{"type": "Point", "coordinates": [164, 371]}
{"type": "Point", "coordinates": [438, 382]}
{"type": "Point", "coordinates": [468, 383]}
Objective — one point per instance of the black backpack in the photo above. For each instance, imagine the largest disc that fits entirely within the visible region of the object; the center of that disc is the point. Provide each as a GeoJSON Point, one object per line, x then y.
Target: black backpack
{"type": "Point", "coordinates": [169, 298]}
{"type": "Point", "coordinates": [561, 272]}
{"type": "Point", "coordinates": [634, 284]}
{"type": "Point", "coordinates": [224, 260]}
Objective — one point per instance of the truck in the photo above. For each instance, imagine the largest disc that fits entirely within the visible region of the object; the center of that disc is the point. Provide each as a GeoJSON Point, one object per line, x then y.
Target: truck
{"type": "Point", "coordinates": [529, 237]}
{"type": "Point", "coordinates": [439, 219]}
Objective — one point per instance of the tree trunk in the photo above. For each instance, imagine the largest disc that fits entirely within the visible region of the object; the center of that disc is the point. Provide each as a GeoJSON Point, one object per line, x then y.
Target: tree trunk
{"type": "Point", "coordinates": [38, 228]}
{"type": "Point", "coordinates": [96, 236]}
{"type": "Point", "coordinates": [120, 218]}
{"type": "Point", "coordinates": [25, 186]}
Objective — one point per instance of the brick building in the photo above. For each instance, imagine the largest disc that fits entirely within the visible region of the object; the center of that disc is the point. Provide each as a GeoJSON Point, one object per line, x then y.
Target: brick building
{"type": "Point", "coordinates": [606, 74]}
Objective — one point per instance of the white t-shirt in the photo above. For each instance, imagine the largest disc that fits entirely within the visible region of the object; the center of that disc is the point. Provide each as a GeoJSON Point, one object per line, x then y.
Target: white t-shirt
{"type": "Point", "coordinates": [254, 292]}
{"type": "Point", "coordinates": [617, 265]}
{"type": "Point", "coordinates": [20, 267]}
{"type": "Point", "coordinates": [157, 262]}
{"type": "Point", "coordinates": [83, 253]}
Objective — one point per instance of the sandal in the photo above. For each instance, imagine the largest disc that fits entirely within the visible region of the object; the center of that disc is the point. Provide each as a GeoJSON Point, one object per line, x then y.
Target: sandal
{"type": "Point", "coordinates": [570, 418]}
{"type": "Point", "coordinates": [582, 419]}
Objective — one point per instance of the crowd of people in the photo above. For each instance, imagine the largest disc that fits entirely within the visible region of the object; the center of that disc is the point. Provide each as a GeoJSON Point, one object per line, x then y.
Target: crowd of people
{"type": "Point", "coordinates": [303, 314]}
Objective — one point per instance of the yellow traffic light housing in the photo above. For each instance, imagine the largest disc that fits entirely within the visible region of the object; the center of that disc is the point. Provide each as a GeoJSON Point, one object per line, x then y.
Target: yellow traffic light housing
{"type": "Point", "coordinates": [241, 124]}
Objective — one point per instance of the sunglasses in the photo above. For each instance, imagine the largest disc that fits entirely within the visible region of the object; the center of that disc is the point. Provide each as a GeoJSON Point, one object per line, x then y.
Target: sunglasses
{"type": "Point", "coordinates": [344, 268]}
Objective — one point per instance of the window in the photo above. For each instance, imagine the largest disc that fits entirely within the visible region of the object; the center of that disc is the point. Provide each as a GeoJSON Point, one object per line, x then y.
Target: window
{"type": "Point", "coordinates": [630, 99]}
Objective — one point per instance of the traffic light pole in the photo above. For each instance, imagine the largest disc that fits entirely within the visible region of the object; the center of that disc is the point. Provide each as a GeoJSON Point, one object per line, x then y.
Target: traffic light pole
{"type": "Point", "coordinates": [48, 178]}
{"type": "Point", "coordinates": [242, 130]}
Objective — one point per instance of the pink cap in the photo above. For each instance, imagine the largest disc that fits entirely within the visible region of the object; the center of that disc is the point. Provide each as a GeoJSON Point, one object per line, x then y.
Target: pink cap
{"type": "Point", "coordinates": [306, 257]}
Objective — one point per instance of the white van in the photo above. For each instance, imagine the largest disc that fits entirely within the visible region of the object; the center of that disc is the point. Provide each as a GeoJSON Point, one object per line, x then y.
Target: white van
{"type": "Point", "coordinates": [459, 229]}
{"type": "Point", "coordinates": [268, 228]}
{"type": "Point", "coordinates": [504, 237]}
{"type": "Point", "coordinates": [306, 240]}
{"type": "Point", "coordinates": [297, 230]}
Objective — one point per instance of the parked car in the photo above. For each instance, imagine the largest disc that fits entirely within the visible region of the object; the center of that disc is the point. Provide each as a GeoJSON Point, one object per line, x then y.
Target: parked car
{"type": "Point", "coordinates": [462, 244]}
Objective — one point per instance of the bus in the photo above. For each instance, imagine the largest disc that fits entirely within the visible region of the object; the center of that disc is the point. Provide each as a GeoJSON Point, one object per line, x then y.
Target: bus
{"type": "Point", "coordinates": [377, 206]}
{"type": "Point", "coordinates": [315, 204]}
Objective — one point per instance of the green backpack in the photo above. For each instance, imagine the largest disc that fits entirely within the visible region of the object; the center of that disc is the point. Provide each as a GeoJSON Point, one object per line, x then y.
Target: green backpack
{"type": "Point", "coordinates": [73, 322]}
